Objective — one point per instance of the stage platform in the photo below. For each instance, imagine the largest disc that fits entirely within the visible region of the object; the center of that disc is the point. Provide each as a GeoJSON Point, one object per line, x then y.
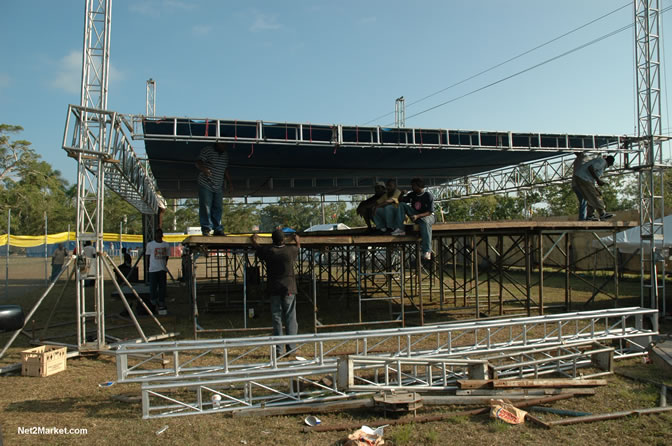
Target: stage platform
{"type": "Point", "coordinates": [355, 278]}
{"type": "Point", "coordinates": [361, 236]}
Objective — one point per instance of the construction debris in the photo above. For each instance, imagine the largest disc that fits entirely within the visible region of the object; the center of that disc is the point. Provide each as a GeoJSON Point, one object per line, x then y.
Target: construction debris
{"type": "Point", "coordinates": [505, 411]}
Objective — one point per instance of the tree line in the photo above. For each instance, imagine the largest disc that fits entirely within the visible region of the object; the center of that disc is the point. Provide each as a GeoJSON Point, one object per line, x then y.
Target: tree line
{"type": "Point", "coordinates": [31, 188]}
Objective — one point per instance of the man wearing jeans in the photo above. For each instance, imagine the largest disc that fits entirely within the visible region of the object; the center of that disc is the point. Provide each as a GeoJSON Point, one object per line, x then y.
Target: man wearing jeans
{"type": "Point", "coordinates": [419, 206]}
{"type": "Point", "coordinates": [158, 252]}
{"type": "Point", "coordinates": [213, 164]}
{"type": "Point", "coordinates": [280, 259]}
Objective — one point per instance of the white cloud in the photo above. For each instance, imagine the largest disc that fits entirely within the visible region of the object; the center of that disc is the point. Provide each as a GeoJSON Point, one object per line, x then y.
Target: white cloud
{"type": "Point", "coordinates": [264, 22]}
{"type": "Point", "coordinates": [68, 76]}
{"type": "Point", "coordinates": [201, 30]}
{"type": "Point", "coordinates": [5, 80]}
{"type": "Point", "coordinates": [68, 73]}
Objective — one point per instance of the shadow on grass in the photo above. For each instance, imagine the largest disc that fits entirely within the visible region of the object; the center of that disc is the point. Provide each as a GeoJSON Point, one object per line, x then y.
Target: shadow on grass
{"type": "Point", "coordinates": [92, 408]}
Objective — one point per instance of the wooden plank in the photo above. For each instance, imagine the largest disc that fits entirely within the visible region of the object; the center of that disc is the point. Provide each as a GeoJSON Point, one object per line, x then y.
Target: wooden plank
{"type": "Point", "coordinates": [553, 382]}
{"type": "Point", "coordinates": [474, 383]}
{"type": "Point", "coordinates": [508, 393]}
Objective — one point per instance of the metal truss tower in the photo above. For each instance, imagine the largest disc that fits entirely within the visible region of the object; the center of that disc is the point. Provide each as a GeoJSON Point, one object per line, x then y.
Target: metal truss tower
{"type": "Point", "coordinates": [90, 168]}
{"type": "Point", "coordinates": [150, 109]}
{"type": "Point", "coordinates": [651, 172]}
{"type": "Point", "coordinates": [400, 112]}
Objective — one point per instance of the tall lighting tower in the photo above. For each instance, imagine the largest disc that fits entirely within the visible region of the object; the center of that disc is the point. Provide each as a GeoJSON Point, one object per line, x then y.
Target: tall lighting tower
{"type": "Point", "coordinates": [91, 169]}
{"type": "Point", "coordinates": [650, 140]}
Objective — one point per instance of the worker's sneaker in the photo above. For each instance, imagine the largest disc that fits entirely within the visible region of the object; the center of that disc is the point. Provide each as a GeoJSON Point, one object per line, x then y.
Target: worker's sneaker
{"type": "Point", "coordinates": [206, 232]}
{"type": "Point", "coordinates": [427, 256]}
{"type": "Point", "coordinates": [163, 311]}
{"type": "Point", "coordinates": [218, 232]}
{"type": "Point", "coordinates": [592, 218]}
{"type": "Point", "coordinates": [398, 231]}
{"type": "Point", "coordinates": [606, 216]}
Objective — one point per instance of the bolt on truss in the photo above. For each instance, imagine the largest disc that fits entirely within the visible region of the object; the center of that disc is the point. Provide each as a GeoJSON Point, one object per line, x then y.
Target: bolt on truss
{"type": "Point", "coordinates": [424, 358]}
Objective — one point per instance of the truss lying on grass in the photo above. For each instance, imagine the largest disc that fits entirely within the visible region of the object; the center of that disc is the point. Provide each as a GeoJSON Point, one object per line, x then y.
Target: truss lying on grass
{"type": "Point", "coordinates": [231, 374]}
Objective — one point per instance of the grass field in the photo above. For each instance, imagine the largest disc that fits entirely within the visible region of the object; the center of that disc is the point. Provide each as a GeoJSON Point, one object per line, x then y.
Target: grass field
{"type": "Point", "coordinates": [74, 400]}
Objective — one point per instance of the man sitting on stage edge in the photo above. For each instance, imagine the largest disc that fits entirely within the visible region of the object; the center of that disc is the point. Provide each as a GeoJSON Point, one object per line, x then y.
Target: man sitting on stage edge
{"type": "Point", "coordinates": [367, 208]}
{"type": "Point", "coordinates": [419, 206]}
{"type": "Point", "coordinates": [280, 260]}
{"type": "Point", "coordinates": [386, 213]}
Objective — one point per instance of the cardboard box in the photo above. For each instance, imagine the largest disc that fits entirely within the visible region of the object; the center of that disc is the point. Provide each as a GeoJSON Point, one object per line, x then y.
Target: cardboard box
{"type": "Point", "coordinates": [43, 361]}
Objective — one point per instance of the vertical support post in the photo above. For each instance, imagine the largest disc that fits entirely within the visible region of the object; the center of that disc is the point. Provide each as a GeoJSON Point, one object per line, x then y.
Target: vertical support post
{"type": "Point", "coordinates": [500, 270]}
{"type": "Point", "coordinates": [541, 273]}
{"type": "Point", "coordinates": [46, 248]}
{"type": "Point", "coordinates": [474, 265]}
{"type": "Point", "coordinates": [528, 272]}
{"type": "Point", "coordinates": [568, 287]}
{"type": "Point", "coordinates": [418, 266]}
{"type": "Point", "coordinates": [441, 273]}
{"type": "Point", "coordinates": [9, 236]}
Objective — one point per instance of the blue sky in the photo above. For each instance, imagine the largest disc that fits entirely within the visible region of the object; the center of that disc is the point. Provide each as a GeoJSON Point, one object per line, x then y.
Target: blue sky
{"type": "Point", "coordinates": [328, 62]}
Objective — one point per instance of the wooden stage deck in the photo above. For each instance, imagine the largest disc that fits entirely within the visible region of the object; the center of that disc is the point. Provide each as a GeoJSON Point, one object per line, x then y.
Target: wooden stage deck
{"type": "Point", "coordinates": [360, 236]}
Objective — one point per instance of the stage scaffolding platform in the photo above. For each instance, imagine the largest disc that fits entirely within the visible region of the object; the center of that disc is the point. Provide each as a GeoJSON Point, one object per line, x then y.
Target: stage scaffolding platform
{"type": "Point", "coordinates": [353, 278]}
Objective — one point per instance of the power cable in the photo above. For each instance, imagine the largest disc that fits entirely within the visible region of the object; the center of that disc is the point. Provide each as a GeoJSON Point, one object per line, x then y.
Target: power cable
{"type": "Point", "coordinates": [566, 53]}
{"type": "Point", "coordinates": [506, 61]}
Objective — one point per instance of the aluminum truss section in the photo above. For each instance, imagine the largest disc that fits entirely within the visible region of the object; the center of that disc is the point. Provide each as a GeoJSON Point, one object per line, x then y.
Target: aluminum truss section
{"type": "Point", "coordinates": [150, 98]}
{"type": "Point", "coordinates": [649, 132]}
{"type": "Point", "coordinates": [208, 130]}
{"type": "Point", "coordinates": [368, 373]}
{"type": "Point", "coordinates": [111, 159]}
{"type": "Point", "coordinates": [631, 327]}
{"type": "Point", "coordinates": [564, 359]}
{"type": "Point", "coordinates": [529, 175]}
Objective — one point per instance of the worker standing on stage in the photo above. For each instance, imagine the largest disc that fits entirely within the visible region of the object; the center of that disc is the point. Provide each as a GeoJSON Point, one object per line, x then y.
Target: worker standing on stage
{"type": "Point", "coordinates": [419, 206]}
{"type": "Point", "coordinates": [587, 176]}
{"type": "Point", "coordinates": [280, 259]}
{"type": "Point", "coordinates": [213, 164]}
{"type": "Point", "coordinates": [578, 162]}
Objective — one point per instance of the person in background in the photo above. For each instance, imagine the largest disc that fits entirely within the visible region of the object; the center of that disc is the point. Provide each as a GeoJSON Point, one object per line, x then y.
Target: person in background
{"type": "Point", "coordinates": [386, 214]}
{"type": "Point", "coordinates": [419, 206]}
{"type": "Point", "coordinates": [367, 208]}
{"type": "Point", "coordinates": [587, 179]}
{"type": "Point", "coordinates": [213, 164]}
{"type": "Point", "coordinates": [280, 259]}
{"type": "Point", "coordinates": [578, 162]}
{"type": "Point", "coordinates": [158, 252]}
{"type": "Point", "coordinates": [89, 253]}
{"type": "Point", "coordinates": [57, 260]}
{"type": "Point", "coordinates": [127, 257]}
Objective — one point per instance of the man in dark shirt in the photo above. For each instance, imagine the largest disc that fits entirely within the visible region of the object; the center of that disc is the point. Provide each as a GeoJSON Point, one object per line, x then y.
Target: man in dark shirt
{"type": "Point", "coordinates": [280, 259]}
{"type": "Point", "coordinates": [419, 206]}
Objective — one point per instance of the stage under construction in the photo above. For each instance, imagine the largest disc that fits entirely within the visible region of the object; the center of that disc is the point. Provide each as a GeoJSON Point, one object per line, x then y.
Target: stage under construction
{"type": "Point", "coordinates": [352, 278]}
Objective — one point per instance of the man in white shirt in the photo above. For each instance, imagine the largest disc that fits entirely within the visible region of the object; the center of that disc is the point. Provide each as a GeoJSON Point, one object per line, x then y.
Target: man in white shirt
{"type": "Point", "coordinates": [158, 252]}
{"type": "Point", "coordinates": [586, 178]}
